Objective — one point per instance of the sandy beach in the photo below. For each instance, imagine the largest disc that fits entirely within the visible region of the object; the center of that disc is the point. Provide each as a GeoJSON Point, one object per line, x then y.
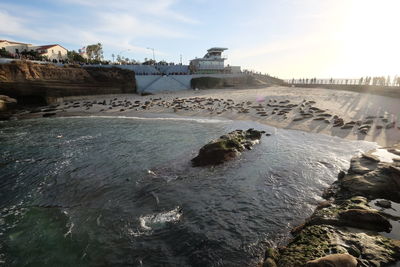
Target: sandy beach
{"type": "Point", "coordinates": [350, 115]}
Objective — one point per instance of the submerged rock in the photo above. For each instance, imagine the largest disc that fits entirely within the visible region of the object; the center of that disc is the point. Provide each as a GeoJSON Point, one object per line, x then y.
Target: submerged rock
{"type": "Point", "coordinates": [226, 147]}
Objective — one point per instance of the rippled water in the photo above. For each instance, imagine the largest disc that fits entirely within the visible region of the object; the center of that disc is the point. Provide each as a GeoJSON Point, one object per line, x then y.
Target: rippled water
{"type": "Point", "coordinates": [121, 192]}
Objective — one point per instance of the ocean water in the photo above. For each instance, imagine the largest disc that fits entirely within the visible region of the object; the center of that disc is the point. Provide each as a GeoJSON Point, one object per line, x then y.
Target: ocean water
{"type": "Point", "coordinates": [103, 191]}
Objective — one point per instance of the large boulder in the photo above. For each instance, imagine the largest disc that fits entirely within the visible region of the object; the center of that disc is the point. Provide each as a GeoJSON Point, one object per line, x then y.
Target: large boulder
{"type": "Point", "coordinates": [354, 212]}
{"type": "Point", "coordinates": [7, 102]}
{"type": "Point", "coordinates": [226, 147]}
{"type": "Point", "coordinates": [370, 176]}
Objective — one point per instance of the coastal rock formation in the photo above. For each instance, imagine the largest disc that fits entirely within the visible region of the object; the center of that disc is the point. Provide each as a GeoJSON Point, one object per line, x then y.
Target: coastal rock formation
{"type": "Point", "coordinates": [7, 102]}
{"type": "Point", "coordinates": [353, 212]}
{"type": "Point", "coordinates": [347, 225]}
{"type": "Point", "coordinates": [370, 177]}
{"type": "Point", "coordinates": [226, 147]}
{"type": "Point", "coordinates": [32, 83]}
{"type": "Point", "coordinates": [319, 241]}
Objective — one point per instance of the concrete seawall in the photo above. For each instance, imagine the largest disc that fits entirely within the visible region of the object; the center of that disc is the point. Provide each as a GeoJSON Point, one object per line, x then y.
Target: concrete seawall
{"type": "Point", "coordinates": [158, 83]}
{"type": "Point", "coordinates": [390, 91]}
{"type": "Point", "coordinates": [154, 81]}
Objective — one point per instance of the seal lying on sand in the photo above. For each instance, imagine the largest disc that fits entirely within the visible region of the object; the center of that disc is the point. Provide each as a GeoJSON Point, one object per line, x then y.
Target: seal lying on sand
{"type": "Point", "coordinates": [334, 260]}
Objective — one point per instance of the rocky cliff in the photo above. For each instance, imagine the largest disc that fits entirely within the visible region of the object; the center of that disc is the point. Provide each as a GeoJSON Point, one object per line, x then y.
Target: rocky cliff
{"type": "Point", "coordinates": [33, 83]}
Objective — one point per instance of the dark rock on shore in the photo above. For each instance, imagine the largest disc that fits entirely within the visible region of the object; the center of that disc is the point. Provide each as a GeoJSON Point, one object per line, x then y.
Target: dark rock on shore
{"type": "Point", "coordinates": [319, 241]}
{"type": "Point", "coordinates": [353, 212]}
{"type": "Point", "coordinates": [7, 103]}
{"type": "Point", "coordinates": [226, 147]}
{"type": "Point", "coordinates": [348, 225]}
{"type": "Point", "coordinates": [371, 178]}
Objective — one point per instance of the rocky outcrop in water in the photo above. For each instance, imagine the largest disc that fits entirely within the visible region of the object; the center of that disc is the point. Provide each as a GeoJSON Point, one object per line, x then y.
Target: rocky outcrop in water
{"type": "Point", "coordinates": [227, 147]}
{"type": "Point", "coordinates": [33, 83]}
{"type": "Point", "coordinates": [347, 224]}
{"type": "Point", "coordinates": [7, 102]}
{"type": "Point", "coordinates": [6, 105]}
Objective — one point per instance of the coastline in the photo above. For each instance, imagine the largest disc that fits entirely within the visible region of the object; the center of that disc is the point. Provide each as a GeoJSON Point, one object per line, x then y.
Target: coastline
{"type": "Point", "coordinates": [350, 110]}
{"type": "Point", "coordinates": [280, 108]}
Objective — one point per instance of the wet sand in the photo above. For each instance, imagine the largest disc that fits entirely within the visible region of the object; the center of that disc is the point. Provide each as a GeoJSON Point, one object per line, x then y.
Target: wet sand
{"type": "Point", "coordinates": [350, 115]}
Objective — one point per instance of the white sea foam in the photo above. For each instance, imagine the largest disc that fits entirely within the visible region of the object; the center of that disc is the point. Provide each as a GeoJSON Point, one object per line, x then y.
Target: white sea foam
{"type": "Point", "coordinates": [159, 220]}
{"type": "Point", "coordinates": [199, 120]}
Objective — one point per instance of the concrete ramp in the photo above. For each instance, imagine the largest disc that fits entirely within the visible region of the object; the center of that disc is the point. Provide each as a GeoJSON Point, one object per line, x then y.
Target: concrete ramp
{"type": "Point", "coordinates": [142, 82]}
{"type": "Point", "coordinates": [165, 83]}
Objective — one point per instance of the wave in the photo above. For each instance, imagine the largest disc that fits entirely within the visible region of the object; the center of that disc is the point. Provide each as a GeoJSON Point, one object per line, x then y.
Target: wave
{"type": "Point", "coordinates": [199, 120]}
{"type": "Point", "coordinates": [159, 220]}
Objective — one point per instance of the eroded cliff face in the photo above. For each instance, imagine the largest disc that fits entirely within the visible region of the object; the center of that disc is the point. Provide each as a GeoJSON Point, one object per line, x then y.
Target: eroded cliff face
{"type": "Point", "coordinates": [33, 83]}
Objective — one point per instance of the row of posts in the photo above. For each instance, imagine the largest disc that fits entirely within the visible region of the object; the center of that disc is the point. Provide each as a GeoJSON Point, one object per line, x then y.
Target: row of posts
{"type": "Point", "coordinates": [376, 81]}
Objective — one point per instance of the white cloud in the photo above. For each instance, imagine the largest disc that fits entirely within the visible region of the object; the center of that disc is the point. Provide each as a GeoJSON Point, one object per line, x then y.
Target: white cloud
{"type": "Point", "coordinates": [118, 25]}
{"type": "Point", "coordinates": [162, 9]}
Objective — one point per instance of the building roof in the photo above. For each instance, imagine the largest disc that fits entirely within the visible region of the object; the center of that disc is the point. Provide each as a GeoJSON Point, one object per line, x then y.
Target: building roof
{"type": "Point", "coordinates": [12, 42]}
{"type": "Point", "coordinates": [49, 46]}
{"type": "Point", "coordinates": [208, 59]}
{"type": "Point", "coordinates": [220, 49]}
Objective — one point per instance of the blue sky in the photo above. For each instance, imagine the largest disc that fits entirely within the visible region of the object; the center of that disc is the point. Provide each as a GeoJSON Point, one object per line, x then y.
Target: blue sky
{"type": "Point", "coordinates": [285, 38]}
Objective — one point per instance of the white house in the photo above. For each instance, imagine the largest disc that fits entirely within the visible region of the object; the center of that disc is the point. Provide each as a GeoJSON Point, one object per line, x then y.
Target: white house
{"type": "Point", "coordinates": [54, 51]}
{"type": "Point", "coordinates": [15, 47]}
{"type": "Point", "coordinates": [51, 52]}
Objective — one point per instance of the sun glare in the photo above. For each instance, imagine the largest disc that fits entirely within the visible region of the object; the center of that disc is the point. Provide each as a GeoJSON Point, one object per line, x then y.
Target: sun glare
{"type": "Point", "coordinates": [370, 38]}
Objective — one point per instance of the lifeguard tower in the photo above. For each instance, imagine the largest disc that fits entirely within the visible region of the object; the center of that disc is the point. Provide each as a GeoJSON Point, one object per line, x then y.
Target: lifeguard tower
{"type": "Point", "coordinates": [212, 62]}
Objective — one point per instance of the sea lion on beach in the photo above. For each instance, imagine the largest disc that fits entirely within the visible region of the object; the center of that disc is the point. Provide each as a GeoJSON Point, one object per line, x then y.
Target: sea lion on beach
{"type": "Point", "coordinates": [334, 260]}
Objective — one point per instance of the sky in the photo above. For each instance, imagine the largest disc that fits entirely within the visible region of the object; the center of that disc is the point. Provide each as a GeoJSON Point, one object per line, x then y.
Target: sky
{"type": "Point", "coordinates": [284, 38]}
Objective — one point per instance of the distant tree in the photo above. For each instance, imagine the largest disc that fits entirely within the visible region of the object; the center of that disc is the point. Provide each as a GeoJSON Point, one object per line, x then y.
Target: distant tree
{"type": "Point", "coordinates": [31, 54]}
{"type": "Point", "coordinates": [5, 53]}
{"type": "Point", "coordinates": [120, 60]}
{"type": "Point", "coordinates": [95, 51]}
{"type": "Point", "coordinates": [74, 56]}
